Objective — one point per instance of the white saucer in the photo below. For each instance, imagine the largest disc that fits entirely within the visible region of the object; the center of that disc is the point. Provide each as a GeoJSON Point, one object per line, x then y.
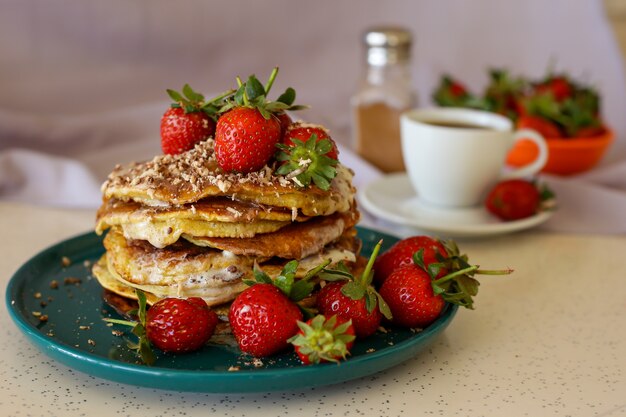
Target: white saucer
{"type": "Point", "coordinates": [392, 198]}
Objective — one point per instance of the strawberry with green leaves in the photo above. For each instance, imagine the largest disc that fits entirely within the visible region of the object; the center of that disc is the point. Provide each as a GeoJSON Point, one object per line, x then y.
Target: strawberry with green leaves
{"type": "Point", "coordinates": [401, 253]}
{"type": "Point", "coordinates": [248, 128]}
{"type": "Point", "coordinates": [265, 316]}
{"type": "Point", "coordinates": [451, 93]}
{"type": "Point", "coordinates": [559, 86]}
{"type": "Point", "coordinates": [189, 120]}
{"type": "Point", "coordinates": [174, 325]}
{"type": "Point", "coordinates": [353, 298]}
{"type": "Point", "coordinates": [518, 199]}
{"type": "Point", "coordinates": [416, 296]}
{"type": "Point", "coordinates": [308, 155]}
{"type": "Point", "coordinates": [322, 340]}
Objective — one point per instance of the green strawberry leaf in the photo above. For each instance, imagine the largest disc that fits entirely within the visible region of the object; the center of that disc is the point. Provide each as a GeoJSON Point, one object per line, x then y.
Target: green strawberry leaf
{"type": "Point", "coordinates": [192, 95]}
{"type": "Point", "coordinates": [175, 95]}
{"type": "Point", "coordinates": [383, 306]}
{"type": "Point", "coordinates": [301, 289]}
{"type": "Point", "coordinates": [370, 300]}
{"type": "Point", "coordinates": [288, 97]}
{"type": "Point", "coordinates": [354, 290]}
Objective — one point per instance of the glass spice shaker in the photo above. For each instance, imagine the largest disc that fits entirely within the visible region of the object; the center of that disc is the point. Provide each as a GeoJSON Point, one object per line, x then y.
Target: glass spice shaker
{"type": "Point", "coordinates": [385, 91]}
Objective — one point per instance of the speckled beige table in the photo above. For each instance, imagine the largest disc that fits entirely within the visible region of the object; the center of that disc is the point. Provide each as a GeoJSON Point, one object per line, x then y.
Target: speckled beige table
{"type": "Point", "coordinates": [549, 340]}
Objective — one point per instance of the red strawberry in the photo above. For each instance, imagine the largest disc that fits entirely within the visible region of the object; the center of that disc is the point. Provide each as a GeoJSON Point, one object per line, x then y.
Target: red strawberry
{"type": "Point", "coordinates": [559, 86]}
{"type": "Point", "coordinates": [308, 154]}
{"type": "Point", "coordinates": [416, 296]}
{"type": "Point", "coordinates": [189, 120]}
{"type": "Point", "coordinates": [264, 316]}
{"type": "Point", "coordinates": [180, 131]}
{"type": "Point", "coordinates": [323, 340]}
{"type": "Point", "coordinates": [402, 252]}
{"type": "Point", "coordinates": [513, 200]}
{"type": "Point", "coordinates": [285, 120]}
{"type": "Point", "coordinates": [245, 140]}
{"type": "Point", "coordinates": [355, 300]}
{"type": "Point", "coordinates": [262, 319]}
{"type": "Point", "coordinates": [545, 127]}
{"type": "Point", "coordinates": [409, 294]}
{"type": "Point", "coordinates": [180, 325]}
{"type": "Point", "coordinates": [248, 129]}
{"type": "Point", "coordinates": [304, 131]}
{"type": "Point", "coordinates": [451, 92]}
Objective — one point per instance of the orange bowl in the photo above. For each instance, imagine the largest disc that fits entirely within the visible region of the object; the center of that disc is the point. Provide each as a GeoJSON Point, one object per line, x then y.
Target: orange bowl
{"type": "Point", "coordinates": [565, 156]}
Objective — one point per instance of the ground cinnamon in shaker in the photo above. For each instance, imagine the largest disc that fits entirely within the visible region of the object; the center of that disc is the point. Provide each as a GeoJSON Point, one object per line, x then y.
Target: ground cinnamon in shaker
{"type": "Point", "coordinates": [385, 92]}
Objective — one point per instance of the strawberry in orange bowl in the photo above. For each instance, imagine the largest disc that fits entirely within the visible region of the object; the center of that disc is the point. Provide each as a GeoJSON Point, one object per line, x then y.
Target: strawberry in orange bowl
{"type": "Point", "coordinates": [564, 111]}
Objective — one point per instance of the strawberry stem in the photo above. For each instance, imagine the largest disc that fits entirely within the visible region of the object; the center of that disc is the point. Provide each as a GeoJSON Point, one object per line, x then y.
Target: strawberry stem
{"type": "Point", "coordinates": [221, 96]}
{"type": "Point", "coordinates": [270, 81]}
{"type": "Point", "coordinates": [494, 271]}
{"type": "Point", "coordinates": [370, 263]}
{"type": "Point", "coordinates": [246, 100]}
{"type": "Point", "coordinates": [454, 274]}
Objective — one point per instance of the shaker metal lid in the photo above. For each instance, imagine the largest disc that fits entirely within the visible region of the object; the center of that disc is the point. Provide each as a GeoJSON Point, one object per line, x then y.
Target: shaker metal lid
{"type": "Point", "coordinates": [387, 45]}
{"type": "Point", "coordinates": [388, 37]}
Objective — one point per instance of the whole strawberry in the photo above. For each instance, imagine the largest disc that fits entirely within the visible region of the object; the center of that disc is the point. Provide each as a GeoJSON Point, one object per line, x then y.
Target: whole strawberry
{"type": "Point", "coordinates": [544, 127]}
{"type": "Point", "coordinates": [265, 316]}
{"type": "Point", "coordinates": [248, 129]}
{"type": "Point", "coordinates": [451, 92]}
{"type": "Point", "coordinates": [416, 296]}
{"type": "Point", "coordinates": [262, 319]}
{"type": "Point", "coordinates": [180, 325]}
{"type": "Point", "coordinates": [401, 253]}
{"type": "Point", "coordinates": [513, 200]}
{"type": "Point", "coordinates": [189, 120]}
{"type": "Point", "coordinates": [559, 86]}
{"type": "Point", "coordinates": [245, 140]}
{"type": "Point", "coordinates": [303, 132]}
{"type": "Point", "coordinates": [354, 299]}
{"type": "Point", "coordinates": [323, 340]}
{"type": "Point", "coordinates": [409, 294]}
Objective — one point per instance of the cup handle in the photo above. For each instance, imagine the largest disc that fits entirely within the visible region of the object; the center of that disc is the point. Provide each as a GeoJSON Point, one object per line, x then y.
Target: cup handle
{"type": "Point", "coordinates": [535, 166]}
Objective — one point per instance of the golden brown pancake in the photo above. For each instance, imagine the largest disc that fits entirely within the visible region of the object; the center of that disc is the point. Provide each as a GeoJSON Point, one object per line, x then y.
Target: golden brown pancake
{"type": "Point", "coordinates": [187, 270]}
{"type": "Point", "coordinates": [212, 217]}
{"type": "Point", "coordinates": [296, 241]}
{"type": "Point", "coordinates": [192, 176]}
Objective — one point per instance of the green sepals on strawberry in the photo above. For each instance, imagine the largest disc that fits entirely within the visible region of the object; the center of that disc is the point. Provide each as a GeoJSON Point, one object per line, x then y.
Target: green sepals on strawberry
{"type": "Point", "coordinates": [503, 93]}
{"type": "Point", "coordinates": [142, 346]}
{"type": "Point", "coordinates": [450, 92]}
{"type": "Point", "coordinates": [191, 101]}
{"type": "Point", "coordinates": [353, 298]}
{"type": "Point", "coordinates": [322, 340]}
{"type": "Point", "coordinates": [295, 289]}
{"type": "Point", "coordinates": [458, 286]}
{"type": "Point", "coordinates": [308, 162]}
{"type": "Point", "coordinates": [253, 93]}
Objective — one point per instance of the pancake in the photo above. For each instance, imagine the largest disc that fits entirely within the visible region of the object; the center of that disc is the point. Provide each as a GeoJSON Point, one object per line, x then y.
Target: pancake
{"type": "Point", "coordinates": [214, 217]}
{"type": "Point", "coordinates": [296, 241]}
{"type": "Point", "coordinates": [187, 270]}
{"type": "Point", "coordinates": [170, 180]}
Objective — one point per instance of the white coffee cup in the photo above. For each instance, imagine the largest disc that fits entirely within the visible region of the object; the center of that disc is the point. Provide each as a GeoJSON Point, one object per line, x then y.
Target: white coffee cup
{"type": "Point", "coordinates": [454, 156]}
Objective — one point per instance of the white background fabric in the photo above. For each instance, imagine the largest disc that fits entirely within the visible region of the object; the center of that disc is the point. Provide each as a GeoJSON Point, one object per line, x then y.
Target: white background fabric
{"type": "Point", "coordinates": [82, 84]}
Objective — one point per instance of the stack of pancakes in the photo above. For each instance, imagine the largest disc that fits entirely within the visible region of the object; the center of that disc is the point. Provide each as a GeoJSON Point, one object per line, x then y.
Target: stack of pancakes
{"type": "Point", "coordinates": [181, 227]}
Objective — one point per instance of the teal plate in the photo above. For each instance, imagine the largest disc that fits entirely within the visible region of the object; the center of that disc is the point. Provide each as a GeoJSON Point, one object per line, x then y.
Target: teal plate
{"type": "Point", "coordinates": [76, 335]}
